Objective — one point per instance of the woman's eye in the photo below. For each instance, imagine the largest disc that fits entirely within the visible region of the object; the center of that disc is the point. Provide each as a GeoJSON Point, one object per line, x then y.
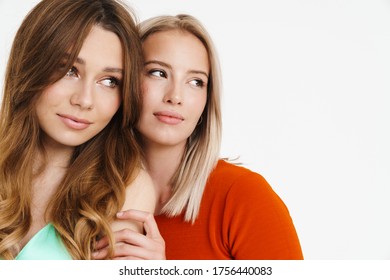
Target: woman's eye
{"type": "Point", "coordinates": [157, 73]}
{"type": "Point", "coordinates": [197, 83]}
{"type": "Point", "coordinates": [110, 82]}
{"type": "Point", "coordinates": [72, 72]}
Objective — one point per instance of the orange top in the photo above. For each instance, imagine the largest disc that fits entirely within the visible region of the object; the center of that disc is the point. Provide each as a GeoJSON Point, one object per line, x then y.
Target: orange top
{"type": "Point", "coordinates": [240, 217]}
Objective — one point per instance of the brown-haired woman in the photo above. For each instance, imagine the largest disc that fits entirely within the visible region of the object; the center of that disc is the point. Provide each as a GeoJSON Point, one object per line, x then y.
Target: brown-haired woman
{"type": "Point", "coordinates": [68, 158]}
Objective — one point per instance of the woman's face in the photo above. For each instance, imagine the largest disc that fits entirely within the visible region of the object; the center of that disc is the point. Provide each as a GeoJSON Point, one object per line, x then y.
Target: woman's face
{"type": "Point", "coordinates": [174, 86]}
{"type": "Point", "coordinates": [78, 106]}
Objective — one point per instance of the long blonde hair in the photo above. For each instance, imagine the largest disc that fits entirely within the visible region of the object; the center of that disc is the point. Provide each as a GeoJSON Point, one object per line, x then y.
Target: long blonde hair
{"type": "Point", "coordinates": [203, 146]}
{"type": "Point", "coordinates": [93, 189]}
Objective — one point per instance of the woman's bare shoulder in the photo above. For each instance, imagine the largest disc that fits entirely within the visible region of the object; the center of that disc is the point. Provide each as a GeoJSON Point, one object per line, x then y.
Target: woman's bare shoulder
{"type": "Point", "coordinates": [140, 193]}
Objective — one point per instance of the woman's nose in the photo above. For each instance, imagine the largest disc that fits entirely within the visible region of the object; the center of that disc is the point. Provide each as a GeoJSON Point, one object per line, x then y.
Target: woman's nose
{"type": "Point", "coordinates": [173, 94]}
{"type": "Point", "coordinates": [83, 96]}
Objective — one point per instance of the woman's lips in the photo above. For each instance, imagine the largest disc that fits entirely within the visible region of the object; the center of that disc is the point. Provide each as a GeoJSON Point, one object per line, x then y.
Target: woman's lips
{"type": "Point", "coordinates": [74, 122]}
{"type": "Point", "coordinates": [168, 117]}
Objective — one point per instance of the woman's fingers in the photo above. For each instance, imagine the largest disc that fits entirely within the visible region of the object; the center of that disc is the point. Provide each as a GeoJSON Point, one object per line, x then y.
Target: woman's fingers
{"type": "Point", "coordinates": [133, 245]}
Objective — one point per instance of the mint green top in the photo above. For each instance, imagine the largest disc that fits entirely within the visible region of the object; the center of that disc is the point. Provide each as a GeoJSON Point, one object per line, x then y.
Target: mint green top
{"type": "Point", "coordinates": [46, 244]}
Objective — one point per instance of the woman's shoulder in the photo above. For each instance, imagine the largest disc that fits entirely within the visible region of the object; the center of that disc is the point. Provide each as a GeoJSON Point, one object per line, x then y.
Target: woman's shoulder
{"type": "Point", "coordinates": [229, 173]}
{"type": "Point", "coordinates": [239, 182]}
{"type": "Point", "coordinates": [141, 193]}
{"type": "Point", "coordinates": [142, 177]}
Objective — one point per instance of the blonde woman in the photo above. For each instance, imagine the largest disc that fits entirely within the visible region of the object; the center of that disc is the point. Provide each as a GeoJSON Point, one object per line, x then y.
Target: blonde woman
{"type": "Point", "coordinates": [207, 208]}
{"type": "Point", "coordinates": [68, 158]}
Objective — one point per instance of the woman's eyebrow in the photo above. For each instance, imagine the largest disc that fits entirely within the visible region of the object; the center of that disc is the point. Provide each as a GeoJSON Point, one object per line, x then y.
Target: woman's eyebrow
{"type": "Point", "coordinates": [113, 70]}
{"type": "Point", "coordinates": [199, 72]}
{"type": "Point", "coordinates": [170, 67]}
{"type": "Point", "coordinates": [159, 63]}
{"type": "Point", "coordinates": [108, 69]}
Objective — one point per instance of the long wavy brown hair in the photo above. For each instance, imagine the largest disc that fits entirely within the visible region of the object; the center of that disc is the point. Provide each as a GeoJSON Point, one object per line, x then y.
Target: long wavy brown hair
{"type": "Point", "coordinates": [93, 189]}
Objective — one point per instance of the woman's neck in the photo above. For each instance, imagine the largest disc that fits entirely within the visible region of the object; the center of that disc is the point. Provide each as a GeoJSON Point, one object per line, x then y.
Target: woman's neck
{"type": "Point", "coordinates": [162, 164]}
{"type": "Point", "coordinates": [50, 168]}
{"type": "Point", "coordinates": [55, 155]}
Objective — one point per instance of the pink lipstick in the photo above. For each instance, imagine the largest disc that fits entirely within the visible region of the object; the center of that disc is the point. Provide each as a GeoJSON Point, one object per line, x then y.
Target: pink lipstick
{"type": "Point", "coordinates": [169, 117]}
{"type": "Point", "coordinates": [74, 122]}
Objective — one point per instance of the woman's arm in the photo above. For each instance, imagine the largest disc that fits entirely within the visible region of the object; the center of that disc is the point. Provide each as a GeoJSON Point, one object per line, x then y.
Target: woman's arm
{"type": "Point", "coordinates": [135, 231]}
{"type": "Point", "coordinates": [140, 195]}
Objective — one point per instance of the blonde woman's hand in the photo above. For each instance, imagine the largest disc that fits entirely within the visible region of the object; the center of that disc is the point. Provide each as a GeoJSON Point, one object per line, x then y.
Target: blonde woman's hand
{"type": "Point", "coordinates": [132, 245]}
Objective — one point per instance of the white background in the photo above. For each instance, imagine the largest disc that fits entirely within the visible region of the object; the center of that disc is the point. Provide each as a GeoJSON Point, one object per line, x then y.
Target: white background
{"type": "Point", "coordinates": [305, 104]}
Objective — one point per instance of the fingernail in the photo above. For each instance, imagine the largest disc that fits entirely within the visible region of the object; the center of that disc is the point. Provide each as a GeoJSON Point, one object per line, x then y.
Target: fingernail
{"type": "Point", "coordinates": [119, 214]}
